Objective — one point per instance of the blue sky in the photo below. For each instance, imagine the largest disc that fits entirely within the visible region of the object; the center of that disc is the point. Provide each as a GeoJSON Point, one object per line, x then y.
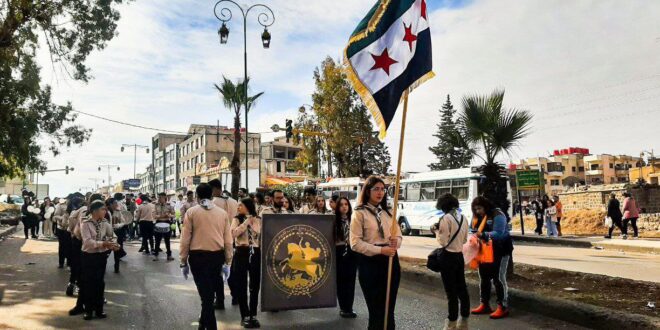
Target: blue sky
{"type": "Point", "coordinates": [589, 71]}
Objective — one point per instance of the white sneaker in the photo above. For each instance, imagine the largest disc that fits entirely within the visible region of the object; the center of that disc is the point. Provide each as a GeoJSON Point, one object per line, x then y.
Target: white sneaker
{"type": "Point", "coordinates": [462, 323]}
{"type": "Point", "coordinates": [449, 325]}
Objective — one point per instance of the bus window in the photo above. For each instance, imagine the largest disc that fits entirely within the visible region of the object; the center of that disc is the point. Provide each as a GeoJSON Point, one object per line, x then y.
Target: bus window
{"type": "Point", "coordinates": [460, 189]}
{"type": "Point", "coordinates": [413, 191]}
{"type": "Point", "coordinates": [442, 187]}
{"type": "Point", "coordinates": [428, 191]}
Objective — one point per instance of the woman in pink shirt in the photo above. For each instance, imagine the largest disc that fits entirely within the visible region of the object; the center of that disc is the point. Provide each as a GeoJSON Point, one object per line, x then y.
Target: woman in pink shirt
{"type": "Point", "coordinates": [630, 213]}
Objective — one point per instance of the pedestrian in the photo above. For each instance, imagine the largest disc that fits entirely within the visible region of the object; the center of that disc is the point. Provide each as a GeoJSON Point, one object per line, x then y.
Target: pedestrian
{"type": "Point", "coordinates": [288, 204]}
{"type": "Point", "coordinates": [630, 213]}
{"type": "Point", "coordinates": [268, 198]}
{"type": "Point", "coordinates": [116, 219]}
{"type": "Point", "coordinates": [278, 204]}
{"type": "Point", "coordinates": [242, 193]}
{"type": "Point", "coordinates": [333, 202]}
{"type": "Point", "coordinates": [222, 200]}
{"type": "Point", "coordinates": [206, 250]}
{"type": "Point", "coordinates": [28, 218]}
{"type": "Point", "coordinates": [614, 212]}
{"type": "Point", "coordinates": [551, 218]}
{"type": "Point", "coordinates": [371, 238]}
{"type": "Point", "coordinates": [260, 201]}
{"type": "Point", "coordinates": [309, 201]}
{"type": "Point", "coordinates": [318, 207]}
{"type": "Point", "coordinates": [47, 210]}
{"type": "Point", "coordinates": [38, 218]}
{"type": "Point", "coordinates": [97, 236]}
{"type": "Point", "coordinates": [451, 233]}
{"type": "Point", "coordinates": [560, 213]}
{"type": "Point", "coordinates": [163, 214]}
{"type": "Point", "coordinates": [246, 266]}
{"type": "Point", "coordinates": [60, 223]}
{"type": "Point", "coordinates": [131, 207]}
{"type": "Point", "coordinates": [187, 204]}
{"type": "Point", "coordinates": [346, 259]}
{"type": "Point", "coordinates": [145, 217]}
{"type": "Point", "coordinates": [538, 209]}
{"type": "Point", "coordinates": [490, 223]}
{"type": "Point", "coordinates": [178, 203]}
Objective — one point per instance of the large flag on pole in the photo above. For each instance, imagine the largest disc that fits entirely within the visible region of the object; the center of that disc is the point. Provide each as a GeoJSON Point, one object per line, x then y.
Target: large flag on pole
{"type": "Point", "coordinates": [388, 53]}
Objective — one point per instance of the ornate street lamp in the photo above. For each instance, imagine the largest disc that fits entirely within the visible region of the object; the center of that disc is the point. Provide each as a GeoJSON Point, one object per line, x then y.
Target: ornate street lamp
{"type": "Point", "coordinates": [265, 18]}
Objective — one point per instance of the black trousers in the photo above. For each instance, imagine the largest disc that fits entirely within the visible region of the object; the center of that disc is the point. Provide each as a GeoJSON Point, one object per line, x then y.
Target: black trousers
{"type": "Point", "coordinates": [539, 223]}
{"type": "Point", "coordinates": [246, 267]}
{"type": "Point", "coordinates": [92, 284]}
{"type": "Point", "coordinates": [206, 268]}
{"type": "Point", "coordinates": [496, 273]}
{"type": "Point", "coordinates": [163, 236]}
{"type": "Point", "coordinates": [616, 222]}
{"type": "Point", "coordinates": [29, 227]}
{"type": "Point", "coordinates": [633, 222]}
{"type": "Point", "coordinates": [346, 273]}
{"type": "Point", "coordinates": [121, 237]}
{"type": "Point", "coordinates": [372, 274]}
{"type": "Point", "coordinates": [63, 246]}
{"type": "Point", "coordinates": [76, 251]}
{"type": "Point", "coordinates": [453, 279]}
{"type": "Point", "coordinates": [147, 233]}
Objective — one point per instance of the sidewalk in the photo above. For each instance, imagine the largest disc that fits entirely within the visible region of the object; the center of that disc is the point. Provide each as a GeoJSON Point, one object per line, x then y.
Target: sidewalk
{"type": "Point", "coordinates": [6, 230]}
{"type": "Point", "coordinates": [641, 245]}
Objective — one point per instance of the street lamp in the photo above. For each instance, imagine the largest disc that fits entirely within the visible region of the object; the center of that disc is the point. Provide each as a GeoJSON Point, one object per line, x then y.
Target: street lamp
{"type": "Point", "coordinates": [265, 18]}
{"type": "Point", "coordinates": [108, 167]}
{"type": "Point", "coordinates": [135, 147]}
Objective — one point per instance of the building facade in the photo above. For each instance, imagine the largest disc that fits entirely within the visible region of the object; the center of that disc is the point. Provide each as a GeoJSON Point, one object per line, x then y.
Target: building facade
{"type": "Point", "coordinates": [277, 156]}
{"type": "Point", "coordinates": [159, 143]}
{"type": "Point", "coordinates": [171, 169]}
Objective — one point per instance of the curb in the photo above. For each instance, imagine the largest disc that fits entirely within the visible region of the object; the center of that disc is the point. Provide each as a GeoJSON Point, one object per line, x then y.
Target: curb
{"type": "Point", "coordinates": [586, 315]}
{"type": "Point", "coordinates": [585, 244]}
{"type": "Point", "coordinates": [8, 231]}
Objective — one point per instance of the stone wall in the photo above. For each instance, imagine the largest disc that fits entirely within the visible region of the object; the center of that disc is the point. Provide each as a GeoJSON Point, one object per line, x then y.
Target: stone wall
{"type": "Point", "coordinates": [647, 197]}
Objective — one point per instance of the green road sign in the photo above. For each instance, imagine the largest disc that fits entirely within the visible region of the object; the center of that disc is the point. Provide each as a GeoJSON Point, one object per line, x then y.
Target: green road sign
{"type": "Point", "coordinates": [530, 179]}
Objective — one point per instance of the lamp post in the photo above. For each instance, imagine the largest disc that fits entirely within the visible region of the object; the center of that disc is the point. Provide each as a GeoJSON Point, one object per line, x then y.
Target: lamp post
{"type": "Point", "coordinates": [108, 166]}
{"type": "Point", "coordinates": [135, 147]}
{"type": "Point", "coordinates": [266, 18]}
{"type": "Point", "coordinates": [66, 170]}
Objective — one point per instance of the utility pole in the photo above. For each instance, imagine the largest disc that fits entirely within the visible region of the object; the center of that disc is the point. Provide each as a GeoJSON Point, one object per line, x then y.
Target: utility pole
{"type": "Point", "coordinates": [108, 166]}
{"type": "Point", "coordinates": [66, 170]}
{"type": "Point", "coordinates": [135, 147]}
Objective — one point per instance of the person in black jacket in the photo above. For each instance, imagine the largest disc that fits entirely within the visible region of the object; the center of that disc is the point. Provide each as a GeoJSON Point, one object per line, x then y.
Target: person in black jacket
{"type": "Point", "coordinates": [614, 212]}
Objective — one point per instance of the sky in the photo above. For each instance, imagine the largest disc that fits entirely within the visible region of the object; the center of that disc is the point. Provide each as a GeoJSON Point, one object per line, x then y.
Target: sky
{"type": "Point", "coordinates": [589, 72]}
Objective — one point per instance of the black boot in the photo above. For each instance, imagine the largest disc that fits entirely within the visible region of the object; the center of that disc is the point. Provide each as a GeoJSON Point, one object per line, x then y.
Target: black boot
{"type": "Point", "coordinates": [76, 310]}
{"type": "Point", "coordinates": [254, 323]}
{"type": "Point", "coordinates": [88, 316]}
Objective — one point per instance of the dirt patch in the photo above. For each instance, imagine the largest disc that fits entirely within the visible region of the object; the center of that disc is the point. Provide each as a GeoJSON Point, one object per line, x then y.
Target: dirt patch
{"type": "Point", "coordinates": [599, 290]}
{"type": "Point", "coordinates": [580, 223]}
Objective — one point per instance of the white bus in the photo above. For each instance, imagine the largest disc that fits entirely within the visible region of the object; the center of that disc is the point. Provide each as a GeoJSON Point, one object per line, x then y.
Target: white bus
{"type": "Point", "coordinates": [420, 192]}
{"type": "Point", "coordinates": [343, 187]}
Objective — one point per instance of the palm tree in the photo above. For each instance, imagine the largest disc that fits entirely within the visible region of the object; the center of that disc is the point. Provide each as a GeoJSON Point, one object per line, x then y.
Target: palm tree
{"type": "Point", "coordinates": [493, 129]}
{"type": "Point", "coordinates": [233, 97]}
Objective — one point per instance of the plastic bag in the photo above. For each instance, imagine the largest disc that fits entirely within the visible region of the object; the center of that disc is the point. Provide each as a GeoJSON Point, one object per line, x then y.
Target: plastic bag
{"type": "Point", "coordinates": [470, 248]}
{"type": "Point", "coordinates": [608, 222]}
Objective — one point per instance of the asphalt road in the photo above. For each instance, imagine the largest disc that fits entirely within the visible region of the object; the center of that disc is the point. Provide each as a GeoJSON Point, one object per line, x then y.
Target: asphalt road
{"type": "Point", "coordinates": [605, 262]}
{"type": "Point", "coordinates": [153, 295]}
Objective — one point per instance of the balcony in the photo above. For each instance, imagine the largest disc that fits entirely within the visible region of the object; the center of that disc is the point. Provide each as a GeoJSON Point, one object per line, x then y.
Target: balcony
{"type": "Point", "coordinates": [555, 173]}
{"type": "Point", "coordinates": [594, 172]}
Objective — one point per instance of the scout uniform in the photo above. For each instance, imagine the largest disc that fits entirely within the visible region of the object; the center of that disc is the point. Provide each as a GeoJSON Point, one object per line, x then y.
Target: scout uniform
{"type": "Point", "coordinates": [93, 261]}
{"type": "Point", "coordinates": [163, 213]}
{"type": "Point", "coordinates": [247, 263]}
{"type": "Point", "coordinates": [61, 220]}
{"type": "Point", "coordinates": [145, 215]}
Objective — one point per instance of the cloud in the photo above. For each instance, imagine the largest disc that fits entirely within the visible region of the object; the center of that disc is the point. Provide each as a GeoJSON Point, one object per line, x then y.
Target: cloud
{"type": "Point", "coordinates": [585, 69]}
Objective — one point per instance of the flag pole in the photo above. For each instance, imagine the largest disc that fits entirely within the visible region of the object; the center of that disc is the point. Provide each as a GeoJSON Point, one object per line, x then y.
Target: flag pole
{"type": "Point", "coordinates": [396, 202]}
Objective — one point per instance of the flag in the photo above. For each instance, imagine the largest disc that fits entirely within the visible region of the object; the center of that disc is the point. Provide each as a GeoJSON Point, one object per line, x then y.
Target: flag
{"type": "Point", "coordinates": [389, 52]}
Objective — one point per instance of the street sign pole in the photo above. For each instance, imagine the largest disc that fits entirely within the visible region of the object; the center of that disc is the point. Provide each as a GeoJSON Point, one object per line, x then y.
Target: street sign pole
{"type": "Point", "coordinates": [522, 221]}
{"type": "Point", "coordinates": [526, 180]}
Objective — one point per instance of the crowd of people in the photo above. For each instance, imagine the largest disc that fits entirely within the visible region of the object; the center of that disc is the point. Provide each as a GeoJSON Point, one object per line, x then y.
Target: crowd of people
{"type": "Point", "coordinates": [219, 243]}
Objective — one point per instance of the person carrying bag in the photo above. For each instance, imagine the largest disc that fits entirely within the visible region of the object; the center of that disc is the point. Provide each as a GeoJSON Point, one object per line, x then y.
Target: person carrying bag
{"type": "Point", "coordinates": [451, 234]}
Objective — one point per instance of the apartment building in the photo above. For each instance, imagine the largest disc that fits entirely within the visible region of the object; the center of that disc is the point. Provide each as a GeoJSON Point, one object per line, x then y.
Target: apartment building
{"type": "Point", "coordinates": [160, 143]}
{"type": "Point", "coordinates": [277, 156]}
{"type": "Point", "coordinates": [171, 169]}
{"type": "Point", "coordinates": [607, 169]}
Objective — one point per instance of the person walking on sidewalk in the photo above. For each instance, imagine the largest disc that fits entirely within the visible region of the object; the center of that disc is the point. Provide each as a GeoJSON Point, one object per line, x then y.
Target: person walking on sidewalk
{"type": "Point", "coordinates": [452, 232]}
{"type": "Point", "coordinates": [630, 214]}
{"type": "Point", "coordinates": [614, 212]}
{"type": "Point", "coordinates": [537, 208]}
{"type": "Point", "coordinates": [551, 218]}
{"type": "Point", "coordinates": [560, 213]}
{"type": "Point", "coordinates": [490, 223]}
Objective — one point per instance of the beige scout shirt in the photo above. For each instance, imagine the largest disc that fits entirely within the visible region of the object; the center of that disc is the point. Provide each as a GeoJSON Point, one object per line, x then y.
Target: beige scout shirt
{"type": "Point", "coordinates": [163, 212]}
{"type": "Point", "coordinates": [365, 237]}
{"type": "Point", "coordinates": [60, 217]}
{"type": "Point", "coordinates": [230, 205]}
{"type": "Point", "coordinates": [145, 212]}
{"type": "Point", "coordinates": [92, 240]}
{"type": "Point", "coordinates": [307, 208]}
{"type": "Point", "coordinates": [251, 226]}
{"type": "Point", "coordinates": [273, 210]}
{"type": "Point", "coordinates": [206, 230]}
{"type": "Point", "coordinates": [447, 228]}
{"type": "Point", "coordinates": [186, 206]}
{"type": "Point", "coordinates": [75, 219]}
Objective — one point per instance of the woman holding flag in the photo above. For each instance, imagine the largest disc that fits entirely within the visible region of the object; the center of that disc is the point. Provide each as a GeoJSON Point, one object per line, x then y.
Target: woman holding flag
{"type": "Point", "coordinates": [371, 238]}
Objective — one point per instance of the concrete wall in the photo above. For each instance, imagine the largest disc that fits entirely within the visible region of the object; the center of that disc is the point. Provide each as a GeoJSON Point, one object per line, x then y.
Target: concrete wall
{"type": "Point", "coordinates": [648, 198]}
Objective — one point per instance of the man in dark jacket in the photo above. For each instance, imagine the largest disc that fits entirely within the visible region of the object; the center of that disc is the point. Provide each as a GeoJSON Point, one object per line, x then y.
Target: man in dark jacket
{"type": "Point", "coordinates": [614, 212]}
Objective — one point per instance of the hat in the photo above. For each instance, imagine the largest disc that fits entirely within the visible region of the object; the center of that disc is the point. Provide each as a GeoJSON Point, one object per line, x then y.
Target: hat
{"type": "Point", "coordinates": [95, 205]}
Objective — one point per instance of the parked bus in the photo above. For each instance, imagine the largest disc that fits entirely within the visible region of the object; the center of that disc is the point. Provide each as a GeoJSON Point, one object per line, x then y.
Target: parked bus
{"type": "Point", "coordinates": [343, 187]}
{"type": "Point", "coordinates": [420, 192]}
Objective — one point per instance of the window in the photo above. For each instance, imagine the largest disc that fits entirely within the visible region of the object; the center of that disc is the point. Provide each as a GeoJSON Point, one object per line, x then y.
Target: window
{"type": "Point", "coordinates": [581, 168]}
{"type": "Point", "coordinates": [202, 139]}
{"type": "Point", "coordinates": [196, 144]}
{"type": "Point", "coordinates": [460, 189]}
{"type": "Point", "coordinates": [413, 191]}
{"type": "Point", "coordinates": [554, 182]}
{"type": "Point", "coordinates": [279, 167]}
{"type": "Point", "coordinates": [442, 187]}
{"type": "Point", "coordinates": [201, 158]}
{"type": "Point", "coordinates": [611, 165]}
{"type": "Point", "coordinates": [428, 191]}
{"type": "Point", "coordinates": [594, 167]}
{"type": "Point", "coordinates": [573, 169]}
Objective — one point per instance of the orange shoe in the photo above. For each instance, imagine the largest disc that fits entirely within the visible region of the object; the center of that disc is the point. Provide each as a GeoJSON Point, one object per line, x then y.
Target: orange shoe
{"type": "Point", "coordinates": [482, 309]}
{"type": "Point", "coordinates": [500, 312]}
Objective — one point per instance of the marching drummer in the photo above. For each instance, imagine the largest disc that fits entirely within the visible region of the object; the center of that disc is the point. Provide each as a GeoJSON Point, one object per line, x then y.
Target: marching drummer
{"type": "Point", "coordinates": [163, 213]}
{"type": "Point", "coordinates": [371, 238]}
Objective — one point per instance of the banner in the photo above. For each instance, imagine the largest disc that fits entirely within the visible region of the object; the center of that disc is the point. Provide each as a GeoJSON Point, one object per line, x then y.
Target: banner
{"type": "Point", "coordinates": [297, 262]}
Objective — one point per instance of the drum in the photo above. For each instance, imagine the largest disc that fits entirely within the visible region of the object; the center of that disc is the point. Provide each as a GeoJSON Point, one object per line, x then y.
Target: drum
{"type": "Point", "coordinates": [33, 209]}
{"type": "Point", "coordinates": [162, 228]}
{"type": "Point", "coordinates": [49, 212]}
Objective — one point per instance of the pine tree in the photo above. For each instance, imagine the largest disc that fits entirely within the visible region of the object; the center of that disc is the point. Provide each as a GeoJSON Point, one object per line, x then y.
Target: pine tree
{"type": "Point", "coordinates": [451, 150]}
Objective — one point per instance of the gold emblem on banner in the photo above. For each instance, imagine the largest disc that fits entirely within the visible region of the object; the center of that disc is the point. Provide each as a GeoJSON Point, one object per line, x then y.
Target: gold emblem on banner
{"type": "Point", "coordinates": [299, 260]}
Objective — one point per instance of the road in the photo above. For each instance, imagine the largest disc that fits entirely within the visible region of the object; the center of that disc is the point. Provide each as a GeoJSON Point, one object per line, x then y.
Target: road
{"type": "Point", "coordinates": [153, 295]}
{"type": "Point", "coordinates": [605, 262]}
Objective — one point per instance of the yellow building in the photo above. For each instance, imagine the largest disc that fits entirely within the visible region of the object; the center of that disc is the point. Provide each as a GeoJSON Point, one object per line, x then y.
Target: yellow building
{"type": "Point", "coordinates": [650, 174]}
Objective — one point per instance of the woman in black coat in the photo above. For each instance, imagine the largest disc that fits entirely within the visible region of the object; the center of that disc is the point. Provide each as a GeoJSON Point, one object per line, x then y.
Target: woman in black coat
{"type": "Point", "coordinates": [614, 212]}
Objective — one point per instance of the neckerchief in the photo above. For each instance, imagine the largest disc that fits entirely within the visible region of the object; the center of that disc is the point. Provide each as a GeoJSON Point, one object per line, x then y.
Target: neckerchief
{"type": "Point", "coordinates": [376, 211]}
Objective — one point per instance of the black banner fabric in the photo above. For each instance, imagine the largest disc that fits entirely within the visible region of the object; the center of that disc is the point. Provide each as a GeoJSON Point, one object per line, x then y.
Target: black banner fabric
{"type": "Point", "coordinates": [297, 262]}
